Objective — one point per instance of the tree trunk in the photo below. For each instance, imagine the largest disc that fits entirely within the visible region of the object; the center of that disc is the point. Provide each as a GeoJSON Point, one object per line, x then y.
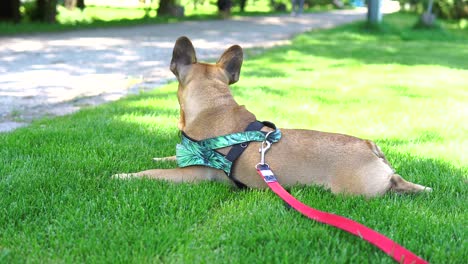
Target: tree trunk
{"type": "Point", "coordinates": [242, 5]}
{"type": "Point", "coordinates": [461, 9]}
{"type": "Point", "coordinates": [427, 19]}
{"type": "Point", "coordinates": [374, 12]}
{"type": "Point", "coordinates": [80, 4]}
{"type": "Point", "coordinates": [224, 8]}
{"type": "Point", "coordinates": [166, 7]}
{"type": "Point", "coordinates": [9, 11]}
{"type": "Point", "coordinates": [46, 10]}
{"type": "Point", "coordinates": [69, 4]}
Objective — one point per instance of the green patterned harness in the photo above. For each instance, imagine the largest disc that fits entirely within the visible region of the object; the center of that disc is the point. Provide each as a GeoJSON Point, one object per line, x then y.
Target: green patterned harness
{"type": "Point", "coordinates": [191, 152]}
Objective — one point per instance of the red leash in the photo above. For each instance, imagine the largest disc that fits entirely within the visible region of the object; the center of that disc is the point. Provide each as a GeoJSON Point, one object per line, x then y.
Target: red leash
{"type": "Point", "coordinates": [390, 247]}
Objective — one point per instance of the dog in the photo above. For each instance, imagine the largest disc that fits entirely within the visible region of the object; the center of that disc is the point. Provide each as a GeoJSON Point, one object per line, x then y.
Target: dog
{"type": "Point", "coordinates": [340, 163]}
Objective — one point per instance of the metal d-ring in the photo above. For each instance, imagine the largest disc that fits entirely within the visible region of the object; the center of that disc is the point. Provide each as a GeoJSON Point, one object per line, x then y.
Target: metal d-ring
{"type": "Point", "coordinates": [267, 135]}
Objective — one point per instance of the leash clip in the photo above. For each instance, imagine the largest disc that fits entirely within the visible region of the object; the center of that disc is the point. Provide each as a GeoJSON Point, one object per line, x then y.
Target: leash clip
{"type": "Point", "coordinates": [265, 147]}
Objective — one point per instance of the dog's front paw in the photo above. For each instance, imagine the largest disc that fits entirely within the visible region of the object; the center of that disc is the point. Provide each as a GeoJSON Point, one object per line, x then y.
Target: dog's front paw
{"type": "Point", "coordinates": [123, 176]}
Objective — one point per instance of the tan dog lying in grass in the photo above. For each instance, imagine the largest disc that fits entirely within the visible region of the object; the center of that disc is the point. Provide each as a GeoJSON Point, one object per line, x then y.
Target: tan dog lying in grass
{"type": "Point", "coordinates": [342, 163]}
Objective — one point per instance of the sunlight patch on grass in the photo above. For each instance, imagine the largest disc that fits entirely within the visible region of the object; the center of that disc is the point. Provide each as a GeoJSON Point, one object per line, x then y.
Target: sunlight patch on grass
{"type": "Point", "coordinates": [148, 121]}
{"type": "Point", "coordinates": [361, 93]}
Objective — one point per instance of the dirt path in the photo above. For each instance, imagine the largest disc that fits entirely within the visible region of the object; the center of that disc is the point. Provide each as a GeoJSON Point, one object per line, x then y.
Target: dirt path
{"type": "Point", "coordinates": [57, 74]}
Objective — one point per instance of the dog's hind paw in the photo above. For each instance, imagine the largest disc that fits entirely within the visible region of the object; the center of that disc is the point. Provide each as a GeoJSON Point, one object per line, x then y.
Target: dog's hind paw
{"type": "Point", "coordinates": [123, 176]}
{"type": "Point", "coordinates": [171, 158]}
{"type": "Point", "coordinates": [427, 189]}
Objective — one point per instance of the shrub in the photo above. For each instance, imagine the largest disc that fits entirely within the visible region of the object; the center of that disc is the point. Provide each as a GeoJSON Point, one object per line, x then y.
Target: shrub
{"type": "Point", "coordinates": [449, 9]}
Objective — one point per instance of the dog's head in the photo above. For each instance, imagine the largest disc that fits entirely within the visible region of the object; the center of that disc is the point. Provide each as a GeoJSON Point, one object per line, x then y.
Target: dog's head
{"type": "Point", "coordinates": [202, 80]}
{"type": "Point", "coordinates": [184, 59]}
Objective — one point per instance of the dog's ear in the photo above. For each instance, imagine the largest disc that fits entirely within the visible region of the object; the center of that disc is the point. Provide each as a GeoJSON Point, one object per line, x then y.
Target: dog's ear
{"type": "Point", "coordinates": [231, 62]}
{"type": "Point", "coordinates": [182, 55]}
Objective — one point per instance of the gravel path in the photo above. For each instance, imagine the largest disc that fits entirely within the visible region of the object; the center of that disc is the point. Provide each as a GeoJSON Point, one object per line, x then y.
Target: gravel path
{"type": "Point", "coordinates": [57, 74]}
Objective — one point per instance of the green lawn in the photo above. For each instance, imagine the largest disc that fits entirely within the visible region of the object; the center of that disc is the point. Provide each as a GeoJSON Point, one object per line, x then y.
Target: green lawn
{"type": "Point", "coordinates": [406, 90]}
{"type": "Point", "coordinates": [94, 16]}
{"type": "Point", "coordinates": [97, 17]}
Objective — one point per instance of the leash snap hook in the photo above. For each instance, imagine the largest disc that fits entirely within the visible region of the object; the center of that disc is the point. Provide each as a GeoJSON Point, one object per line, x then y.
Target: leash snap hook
{"type": "Point", "coordinates": [265, 147]}
{"type": "Point", "coordinates": [266, 144]}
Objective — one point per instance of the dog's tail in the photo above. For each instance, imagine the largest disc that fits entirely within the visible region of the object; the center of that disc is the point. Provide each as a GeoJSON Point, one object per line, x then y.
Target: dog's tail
{"type": "Point", "coordinates": [400, 185]}
{"type": "Point", "coordinates": [397, 183]}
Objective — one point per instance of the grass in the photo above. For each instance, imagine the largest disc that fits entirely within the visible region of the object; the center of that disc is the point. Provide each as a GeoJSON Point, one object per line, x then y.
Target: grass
{"type": "Point", "coordinates": [115, 16]}
{"type": "Point", "coordinates": [120, 16]}
{"type": "Point", "coordinates": [96, 17]}
{"type": "Point", "coordinates": [404, 89]}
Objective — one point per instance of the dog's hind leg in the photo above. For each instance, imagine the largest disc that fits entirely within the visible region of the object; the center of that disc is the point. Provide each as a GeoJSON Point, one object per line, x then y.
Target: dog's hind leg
{"type": "Point", "coordinates": [397, 183]}
{"type": "Point", "coordinates": [171, 158]}
{"type": "Point", "coordinates": [400, 185]}
{"type": "Point", "coordinates": [188, 174]}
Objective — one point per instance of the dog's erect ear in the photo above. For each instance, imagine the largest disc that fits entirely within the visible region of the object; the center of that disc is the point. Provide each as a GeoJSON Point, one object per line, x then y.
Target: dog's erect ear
{"type": "Point", "coordinates": [231, 62]}
{"type": "Point", "coordinates": [182, 55]}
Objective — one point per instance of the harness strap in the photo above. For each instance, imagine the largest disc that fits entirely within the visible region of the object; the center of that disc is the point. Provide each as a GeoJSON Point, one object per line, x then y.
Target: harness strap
{"type": "Point", "coordinates": [191, 152]}
{"type": "Point", "coordinates": [238, 149]}
{"type": "Point", "coordinates": [390, 247]}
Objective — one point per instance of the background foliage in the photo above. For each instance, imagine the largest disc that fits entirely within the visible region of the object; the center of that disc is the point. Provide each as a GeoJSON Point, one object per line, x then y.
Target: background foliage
{"type": "Point", "coordinates": [448, 9]}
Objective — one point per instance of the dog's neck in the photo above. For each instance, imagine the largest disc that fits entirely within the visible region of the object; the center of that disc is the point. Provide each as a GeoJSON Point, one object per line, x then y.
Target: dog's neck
{"type": "Point", "coordinates": [213, 113]}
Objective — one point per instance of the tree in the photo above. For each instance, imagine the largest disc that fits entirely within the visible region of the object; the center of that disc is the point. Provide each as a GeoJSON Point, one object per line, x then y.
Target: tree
{"type": "Point", "coordinates": [374, 12]}
{"type": "Point", "coordinates": [427, 18]}
{"type": "Point", "coordinates": [170, 8]}
{"type": "Point", "coordinates": [196, 3]}
{"type": "Point", "coordinates": [46, 11]}
{"type": "Point", "coordinates": [242, 4]}
{"type": "Point", "coordinates": [72, 4]}
{"type": "Point", "coordinates": [80, 4]}
{"type": "Point", "coordinates": [166, 7]}
{"type": "Point", "coordinates": [69, 4]}
{"type": "Point", "coordinates": [224, 7]}
{"type": "Point", "coordinates": [9, 10]}
{"type": "Point", "coordinates": [448, 9]}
